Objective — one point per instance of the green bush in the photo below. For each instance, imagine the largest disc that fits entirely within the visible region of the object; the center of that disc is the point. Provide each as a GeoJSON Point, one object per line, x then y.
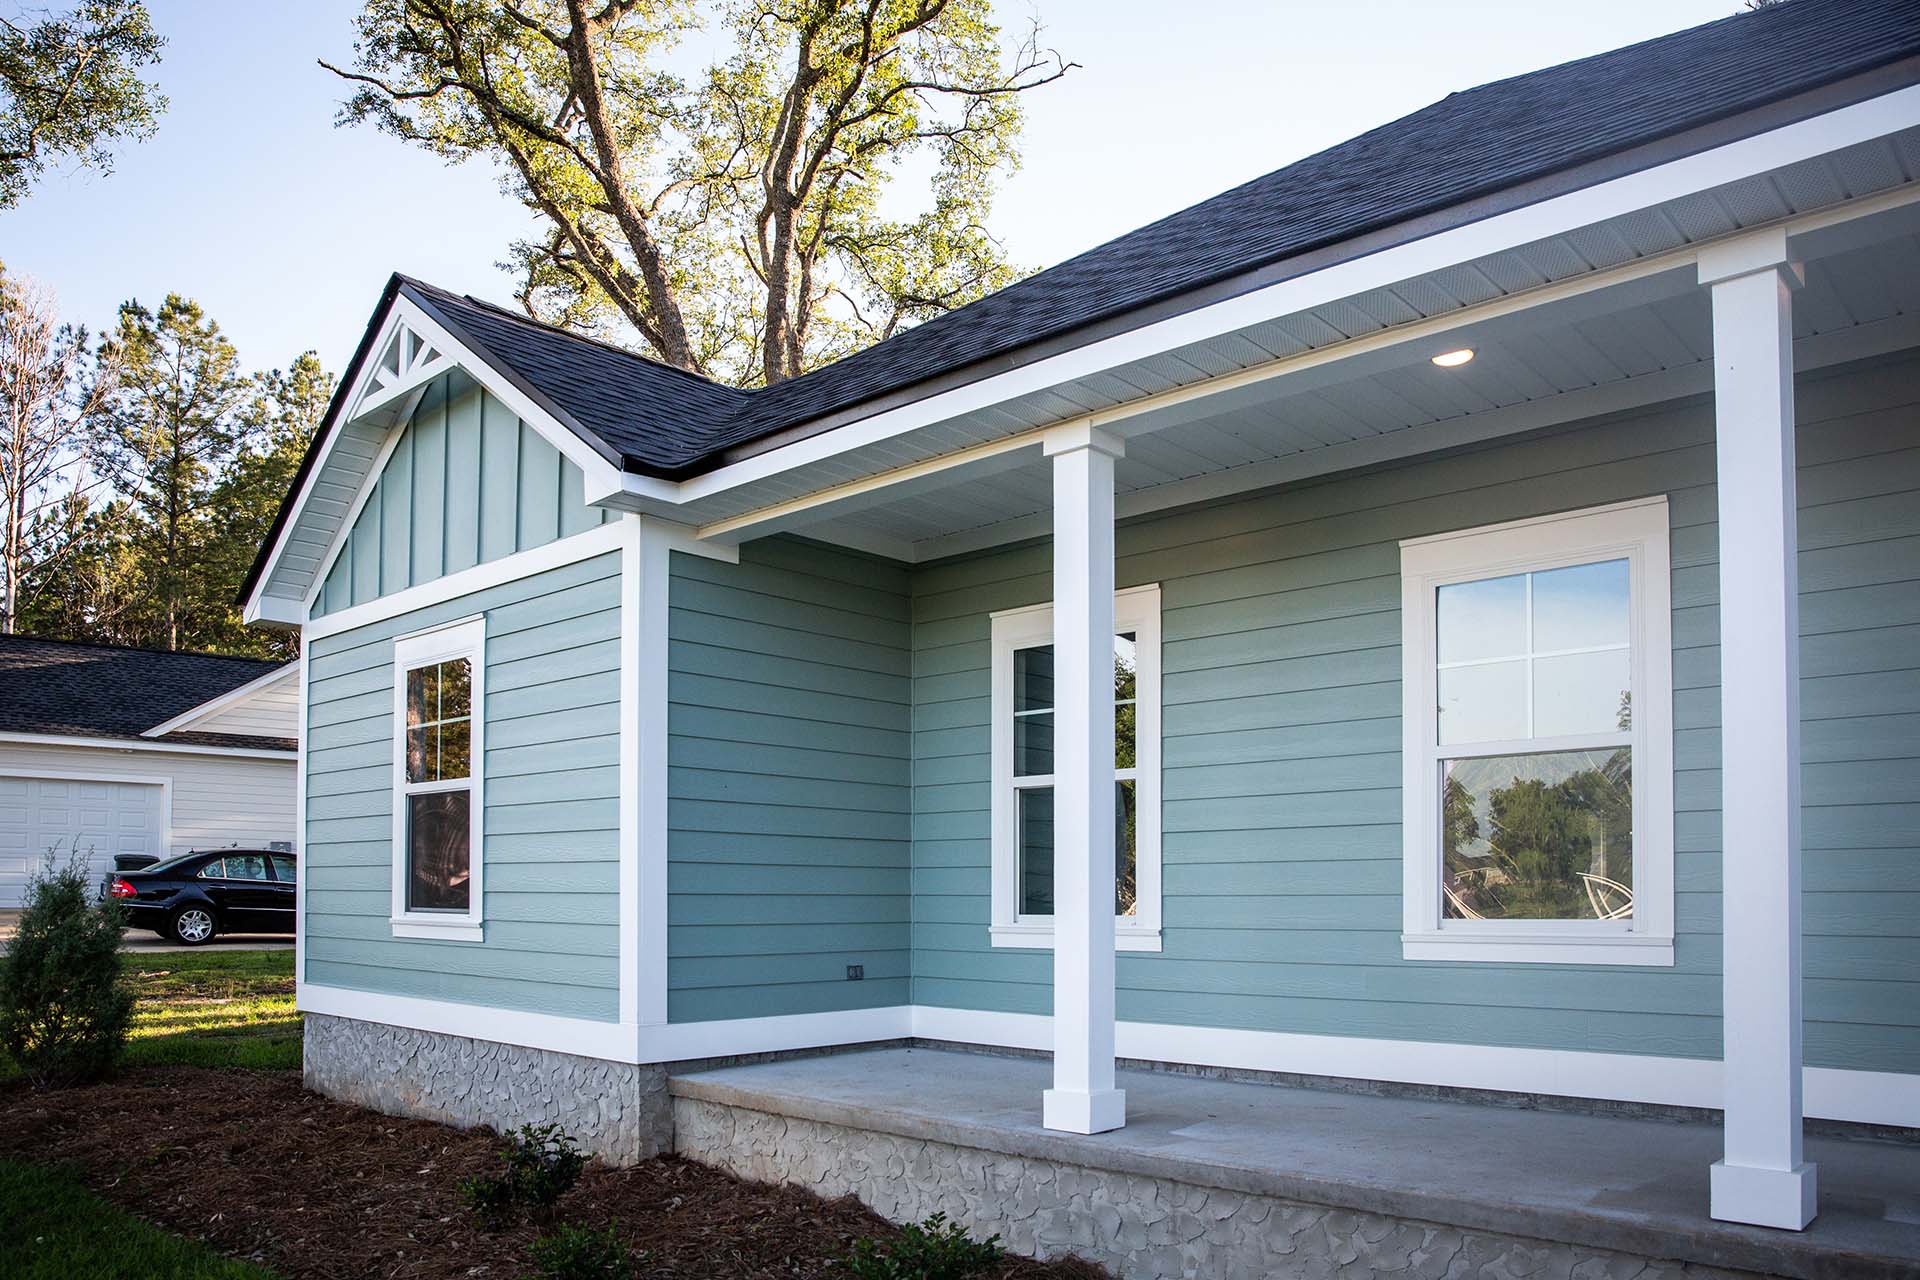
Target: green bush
{"type": "Point", "coordinates": [64, 1009]}
{"type": "Point", "coordinates": [579, 1253]}
{"type": "Point", "coordinates": [932, 1250]}
{"type": "Point", "coordinates": [542, 1165]}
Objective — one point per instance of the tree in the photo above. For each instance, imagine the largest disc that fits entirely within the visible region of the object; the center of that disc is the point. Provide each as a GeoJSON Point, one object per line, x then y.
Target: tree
{"type": "Point", "coordinates": [734, 223]}
{"type": "Point", "coordinates": [278, 424]}
{"type": "Point", "coordinates": [49, 391]}
{"type": "Point", "coordinates": [172, 425]}
{"type": "Point", "coordinates": [70, 85]}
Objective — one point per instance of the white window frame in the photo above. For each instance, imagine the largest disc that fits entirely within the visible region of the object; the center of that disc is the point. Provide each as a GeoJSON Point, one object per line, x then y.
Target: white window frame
{"type": "Point", "coordinates": [1636, 532]}
{"type": "Point", "coordinates": [465, 638]}
{"type": "Point", "coordinates": [1136, 609]}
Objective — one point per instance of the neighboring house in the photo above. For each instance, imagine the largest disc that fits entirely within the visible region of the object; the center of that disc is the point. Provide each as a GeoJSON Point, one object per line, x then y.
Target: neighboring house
{"type": "Point", "coordinates": [1388, 510]}
{"type": "Point", "coordinates": [112, 750]}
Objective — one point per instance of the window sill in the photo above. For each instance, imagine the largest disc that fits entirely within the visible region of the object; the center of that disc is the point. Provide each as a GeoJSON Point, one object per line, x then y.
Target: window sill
{"type": "Point", "coordinates": [1039, 937]}
{"type": "Point", "coordinates": [442, 930]}
{"type": "Point", "coordinates": [1538, 949]}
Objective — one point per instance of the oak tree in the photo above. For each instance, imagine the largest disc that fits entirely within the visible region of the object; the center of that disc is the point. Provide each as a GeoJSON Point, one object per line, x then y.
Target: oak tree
{"type": "Point", "coordinates": [738, 219]}
{"type": "Point", "coordinates": [70, 85]}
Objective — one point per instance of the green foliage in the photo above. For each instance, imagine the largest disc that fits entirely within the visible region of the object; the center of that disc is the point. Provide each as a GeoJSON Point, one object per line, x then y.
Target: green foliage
{"type": "Point", "coordinates": [70, 85]}
{"type": "Point", "coordinates": [933, 1250]}
{"type": "Point", "coordinates": [57, 1230]}
{"type": "Point", "coordinates": [542, 1164]}
{"type": "Point", "coordinates": [580, 1253]}
{"type": "Point", "coordinates": [64, 1010]}
{"type": "Point", "coordinates": [732, 219]}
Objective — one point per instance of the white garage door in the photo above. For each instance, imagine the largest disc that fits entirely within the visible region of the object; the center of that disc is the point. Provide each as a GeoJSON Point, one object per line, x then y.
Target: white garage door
{"type": "Point", "coordinates": [105, 818]}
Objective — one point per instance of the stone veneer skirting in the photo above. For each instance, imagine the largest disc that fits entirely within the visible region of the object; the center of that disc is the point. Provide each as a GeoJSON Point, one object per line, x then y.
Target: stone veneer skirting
{"type": "Point", "coordinates": [1138, 1226]}
{"type": "Point", "coordinates": [615, 1110]}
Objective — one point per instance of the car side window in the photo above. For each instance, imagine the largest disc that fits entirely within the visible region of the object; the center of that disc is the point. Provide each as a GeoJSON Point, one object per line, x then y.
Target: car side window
{"type": "Point", "coordinates": [215, 870]}
{"type": "Point", "coordinates": [246, 866]}
{"type": "Point", "coordinates": [284, 869]}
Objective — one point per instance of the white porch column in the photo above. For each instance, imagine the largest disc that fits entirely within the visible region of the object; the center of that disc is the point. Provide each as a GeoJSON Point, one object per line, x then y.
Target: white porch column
{"type": "Point", "coordinates": [1083, 1099]}
{"type": "Point", "coordinates": [1762, 1178]}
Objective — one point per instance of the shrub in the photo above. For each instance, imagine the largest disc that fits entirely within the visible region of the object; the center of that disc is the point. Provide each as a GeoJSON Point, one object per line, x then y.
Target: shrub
{"type": "Point", "coordinates": [64, 1008]}
{"type": "Point", "coordinates": [579, 1253]}
{"type": "Point", "coordinates": [542, 1164]}
{"type": "Point", "coordinates": [933, 1250]}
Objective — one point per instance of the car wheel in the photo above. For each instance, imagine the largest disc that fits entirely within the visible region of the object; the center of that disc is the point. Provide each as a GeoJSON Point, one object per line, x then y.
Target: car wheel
{"type": "Point", "coordinates": [193, 925]}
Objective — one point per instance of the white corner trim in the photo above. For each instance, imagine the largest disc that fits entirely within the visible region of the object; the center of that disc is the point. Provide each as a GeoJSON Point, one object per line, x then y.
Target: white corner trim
{"type": "Point", "coordinates": [598, 540]}
{"type": "Point", "coordinates": [214, 706]}
{"type": "Point", "coordinates": [645, 776]}
{"type": "Point", "coordinates": [1636, 531]}
{"type": "Point", "coordinates": [140, 744]}
{"type": "Point", "coordinates": [300, 821]}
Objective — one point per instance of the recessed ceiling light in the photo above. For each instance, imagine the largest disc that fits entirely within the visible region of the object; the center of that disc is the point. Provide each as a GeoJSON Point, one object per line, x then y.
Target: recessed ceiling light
{"type": "Point", "coordinates": [1453, 359]}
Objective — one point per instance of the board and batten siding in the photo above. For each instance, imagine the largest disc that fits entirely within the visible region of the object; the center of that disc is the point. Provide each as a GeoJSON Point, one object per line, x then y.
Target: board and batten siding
{"type": "Point", "coordinates": [468, 482]}
{"type": "Point", "coordinates": [551, 825]}
{"type": "Point", "coordinates": [788, 781]}
{"type": "Point", "coordinates": [1282, 845]}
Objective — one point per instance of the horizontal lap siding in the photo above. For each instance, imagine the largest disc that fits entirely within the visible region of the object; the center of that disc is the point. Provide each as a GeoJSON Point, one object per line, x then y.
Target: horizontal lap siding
{"type": "Point", "coordinates": [551, 827]}
{"type": "Point", "coordinates": [788, 778]}
{"type": "Point", "coordinates": [1282, 748]}
{"type": "Point", "coordinates": [467, 483]}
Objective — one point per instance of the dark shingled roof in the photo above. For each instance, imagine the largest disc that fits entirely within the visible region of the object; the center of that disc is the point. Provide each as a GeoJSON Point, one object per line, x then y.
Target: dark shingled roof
{"type": "Point", "coordinates": [104, 691]}
{"type": "Point", "coordinates": [657, 420]}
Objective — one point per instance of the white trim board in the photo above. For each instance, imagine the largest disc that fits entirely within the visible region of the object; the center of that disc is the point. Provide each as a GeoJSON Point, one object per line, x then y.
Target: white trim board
{"type": "Point", "coordinates": [1832, 1093]}
{"type": "Point", "coordinates": [214, 706]}
{"type": "Point", "coordinates": [137, 744]}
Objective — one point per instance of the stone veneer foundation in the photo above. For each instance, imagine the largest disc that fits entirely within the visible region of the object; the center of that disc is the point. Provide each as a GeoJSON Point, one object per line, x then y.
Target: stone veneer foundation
{"type": "Point", "coordinates": [615, 1110]}
{"type": "Point", "coordinates": [1139, 1227]}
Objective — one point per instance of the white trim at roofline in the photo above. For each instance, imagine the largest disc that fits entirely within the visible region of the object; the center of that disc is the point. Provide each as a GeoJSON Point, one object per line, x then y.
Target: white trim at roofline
{"type": "Point", "coordinates": [1832, 1093]}
{"type": "Point", "coordinates": [214, 706]}
{"type": "Point", "coordinates": [600, 473]}
{"type": "Point", "coordinates": [1760, 153]}
{"type": "Point", "coordinates": [598, 540]}
{"type": "Point", "coordinates": [135, 779]}
{"type": "Point", "coordinates": [138, 744]}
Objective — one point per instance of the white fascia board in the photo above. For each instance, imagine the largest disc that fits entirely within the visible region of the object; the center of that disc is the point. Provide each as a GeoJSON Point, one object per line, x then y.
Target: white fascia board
{"type": "Point", "coordinates": [214, 706]}
{"type": "Point", "coordinates": [1705, 170]}
{"type": "Point", "coordinates": [601, 474]}
{"type": "Point", "coordinates": [273, 611]}
{"type": "Point", "coordinates": [138, 744]}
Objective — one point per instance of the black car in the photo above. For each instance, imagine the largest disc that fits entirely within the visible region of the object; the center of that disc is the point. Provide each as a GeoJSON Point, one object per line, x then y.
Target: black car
{"type": "Point", "coordinates": [193, 898]}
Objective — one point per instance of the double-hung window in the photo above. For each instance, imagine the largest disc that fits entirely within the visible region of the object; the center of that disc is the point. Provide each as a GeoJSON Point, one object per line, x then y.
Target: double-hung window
{"type": "Point", "coordinates": [1538, 743]}
{"type": "Point", "coordinates": [438, 705]}
{"type": "Point", "coordinates": [1022, 768]}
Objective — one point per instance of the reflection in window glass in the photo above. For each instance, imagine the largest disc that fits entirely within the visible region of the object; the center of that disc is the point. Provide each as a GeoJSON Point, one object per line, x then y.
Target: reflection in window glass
{"type": "Point", "coordinates": [246, 866]}
{"type": "Point", "coordinates": [1538, 837]}
{"type": "Point", "coordinates": [1036, 851]}
{"type": "Point", "coordinates": [438, 853]}
{"type": "Point", "coordinates": [439, 721]}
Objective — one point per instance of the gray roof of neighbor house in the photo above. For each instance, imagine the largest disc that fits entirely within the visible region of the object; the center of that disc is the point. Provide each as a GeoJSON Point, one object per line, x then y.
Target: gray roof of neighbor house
{"type": "Point", "coordinates": [651, 419]}
{"type": "Point", "coordinates": [105, 691]}
{"type": "Point", "coordinates": [661, 421]}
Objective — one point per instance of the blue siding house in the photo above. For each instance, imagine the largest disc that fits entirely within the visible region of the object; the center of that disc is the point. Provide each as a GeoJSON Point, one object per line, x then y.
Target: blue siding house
{"type": "Point", "coordinates": [1445, 614]}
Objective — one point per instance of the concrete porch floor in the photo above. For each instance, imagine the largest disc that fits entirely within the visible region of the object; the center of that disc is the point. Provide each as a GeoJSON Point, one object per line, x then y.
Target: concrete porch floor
{"type": "Point", "coordinates": [1637, 1186]}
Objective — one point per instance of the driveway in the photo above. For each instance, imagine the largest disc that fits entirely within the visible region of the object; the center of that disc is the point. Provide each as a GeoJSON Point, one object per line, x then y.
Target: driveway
{"type": "Point", "coordinates": [140, 941]}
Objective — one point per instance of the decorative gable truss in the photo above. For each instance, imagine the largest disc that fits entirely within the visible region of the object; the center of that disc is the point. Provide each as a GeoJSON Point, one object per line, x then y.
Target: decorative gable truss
{"type": "Point", "coordinates": [413, 348]}
{"type": "Point", "coordinates": [401, 374]}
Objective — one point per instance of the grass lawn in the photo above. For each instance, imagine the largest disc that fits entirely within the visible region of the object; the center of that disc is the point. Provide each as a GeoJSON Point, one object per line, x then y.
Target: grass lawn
{"type": "Point", "coordinates": [58, 1230]}
{"type": "Point", "coordinates": [213, 1009]}
{"type": "Point", "coordinates": [209, 1009]}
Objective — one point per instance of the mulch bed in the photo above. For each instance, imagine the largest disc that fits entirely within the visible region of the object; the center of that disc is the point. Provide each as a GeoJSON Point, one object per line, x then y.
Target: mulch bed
{"type": "Point", "coordinates": [257, 1167]}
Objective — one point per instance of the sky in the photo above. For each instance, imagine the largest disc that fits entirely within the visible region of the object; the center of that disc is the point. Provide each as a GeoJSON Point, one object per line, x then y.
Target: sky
{"type": "Point", "coordinates": [285, 227]}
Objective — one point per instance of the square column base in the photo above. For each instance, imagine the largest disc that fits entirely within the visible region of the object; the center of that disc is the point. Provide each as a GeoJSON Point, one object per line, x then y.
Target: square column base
{"type": "Point", "coordinates": [1783, 1198]}
{"type": "Point", "coordinates": [1072, 1111]}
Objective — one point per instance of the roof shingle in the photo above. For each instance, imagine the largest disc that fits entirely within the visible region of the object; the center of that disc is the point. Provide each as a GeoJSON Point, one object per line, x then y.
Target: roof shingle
{"type": "Point", "coordinates": [103, 691]}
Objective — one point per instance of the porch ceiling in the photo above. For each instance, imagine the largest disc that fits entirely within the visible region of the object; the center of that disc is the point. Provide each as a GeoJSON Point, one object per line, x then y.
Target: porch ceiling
{"type": "Point", "coordinates": [1620, 348]}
